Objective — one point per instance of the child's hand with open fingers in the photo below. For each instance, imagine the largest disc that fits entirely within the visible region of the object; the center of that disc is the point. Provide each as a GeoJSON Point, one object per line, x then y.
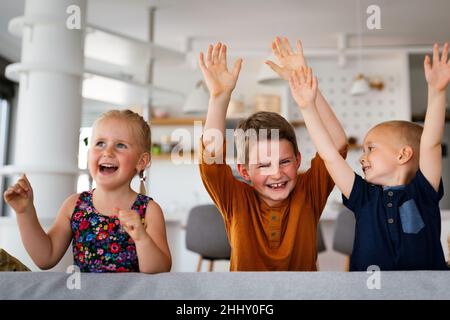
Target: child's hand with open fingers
{"type": "Point", "coordinates": [215, 72]}
{"type": "Point", "coordinates": [288, 59]}
{"type": "Point", "coordinates": [303, 87]}
{"type": "Point", "coordinates": [132, 224]}
{"type": "Point", "coordinates": [438, 73]}
{"type": "Point", "coordinates": [20, 196]}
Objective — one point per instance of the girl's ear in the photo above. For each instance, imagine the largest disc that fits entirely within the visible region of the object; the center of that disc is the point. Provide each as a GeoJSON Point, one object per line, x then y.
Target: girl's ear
{"type": "Point", "coordinates": [243, 172]}
{"type": "Point", "coordinates": [143, 162]}
{"type": "Point", "coordinates": [299, 159]}
{"type": "Point", "coordinates": [406, 153]}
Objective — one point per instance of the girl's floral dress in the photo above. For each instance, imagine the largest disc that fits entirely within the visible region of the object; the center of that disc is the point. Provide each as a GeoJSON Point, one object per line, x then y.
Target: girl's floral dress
{"type": "Point", "coordinates": [99, 243]}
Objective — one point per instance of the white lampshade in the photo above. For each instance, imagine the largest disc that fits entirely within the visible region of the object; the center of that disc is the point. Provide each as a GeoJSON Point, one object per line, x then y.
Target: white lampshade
{"type": "Point", "coordinates": [269, 77]}
{"type": "Point", "coordinates": [197, 101]}
{"type": "Point", "coordinates": [360, 86]}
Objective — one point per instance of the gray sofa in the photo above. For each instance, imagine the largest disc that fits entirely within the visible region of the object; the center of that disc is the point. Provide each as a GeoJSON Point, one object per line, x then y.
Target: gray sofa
{"type": "Point", "coordinates": [431, 285]}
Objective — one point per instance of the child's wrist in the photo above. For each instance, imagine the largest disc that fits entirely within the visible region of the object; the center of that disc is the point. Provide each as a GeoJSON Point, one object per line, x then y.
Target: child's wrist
{"type": "Point", "coordinates": [435, 91]}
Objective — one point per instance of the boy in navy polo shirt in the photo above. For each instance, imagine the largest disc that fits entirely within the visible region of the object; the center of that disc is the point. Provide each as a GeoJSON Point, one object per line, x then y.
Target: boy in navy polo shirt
{"type": "Point", "coordinates": [398, 221]}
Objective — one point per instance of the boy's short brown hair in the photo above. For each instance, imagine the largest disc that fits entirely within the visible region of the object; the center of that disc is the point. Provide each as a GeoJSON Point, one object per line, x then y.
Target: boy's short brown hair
{"type": "Point", "coordinates": [405, 132]}
{"type": "Point", "coordinates": [268, 121]}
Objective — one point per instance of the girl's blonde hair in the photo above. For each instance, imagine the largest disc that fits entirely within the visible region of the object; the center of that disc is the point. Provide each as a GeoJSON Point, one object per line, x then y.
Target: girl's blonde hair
{"type": "Point", "coordinates": [142, 131]}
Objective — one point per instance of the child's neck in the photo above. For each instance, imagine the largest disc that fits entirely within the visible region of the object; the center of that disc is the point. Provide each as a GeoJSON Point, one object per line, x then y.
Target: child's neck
{"type": "Point", "coordinates": [401, 177]}
{"type": "Point", "coordinates": [106, 200]}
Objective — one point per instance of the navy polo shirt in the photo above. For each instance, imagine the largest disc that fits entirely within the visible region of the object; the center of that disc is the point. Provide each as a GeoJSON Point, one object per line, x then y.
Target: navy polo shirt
{"type": "Point", "coordinates": [397, 228]}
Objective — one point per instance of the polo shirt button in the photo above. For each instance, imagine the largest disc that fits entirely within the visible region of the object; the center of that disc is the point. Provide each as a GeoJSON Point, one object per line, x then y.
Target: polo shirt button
{"type": "Point", "coordinates": [390, 193]}
{"type": "Point", "coordinates": [274, 218]}
{"type": "Point", "coordinates": [391, 221]}
{"type": "Point", "coordinates": [389, 205]}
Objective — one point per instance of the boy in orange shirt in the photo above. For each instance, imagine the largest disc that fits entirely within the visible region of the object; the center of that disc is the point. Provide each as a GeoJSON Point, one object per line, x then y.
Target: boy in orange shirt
{"type": "Point", "coordinates": [271, 221]}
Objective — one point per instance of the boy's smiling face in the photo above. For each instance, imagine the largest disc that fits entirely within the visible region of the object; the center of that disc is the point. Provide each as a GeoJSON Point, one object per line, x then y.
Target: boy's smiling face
{"type": "Point", "coordinates": [272, 169]}
{"type": "Point", "coordinates": [379, 161]}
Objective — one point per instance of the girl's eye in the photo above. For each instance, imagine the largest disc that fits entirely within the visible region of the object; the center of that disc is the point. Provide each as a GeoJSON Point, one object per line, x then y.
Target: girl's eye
{"type": "Point", "coordinates": [121, 146]}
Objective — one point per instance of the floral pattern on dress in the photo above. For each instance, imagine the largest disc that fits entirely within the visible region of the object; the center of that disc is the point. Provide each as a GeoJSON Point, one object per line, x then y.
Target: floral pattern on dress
{"type": "Point", "coordinates": [99, 242]}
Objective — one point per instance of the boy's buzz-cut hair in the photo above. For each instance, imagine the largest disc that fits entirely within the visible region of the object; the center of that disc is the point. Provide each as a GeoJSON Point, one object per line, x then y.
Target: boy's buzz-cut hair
{"type": "Point", "coordinates": [406, 133]}
{"type": "Point", "coordinates": [265, 121]}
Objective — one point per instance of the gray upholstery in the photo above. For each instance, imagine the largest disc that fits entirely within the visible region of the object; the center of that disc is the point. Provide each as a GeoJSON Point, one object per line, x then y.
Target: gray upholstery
{"type": "Point", "coordinates": [344, 233]}
{"type": "Point", "coordinates": [205, 233]}
{"type": "Point", "coordinates": [320, 240]}
{"type": "Point", "coordinates": [430, 285]}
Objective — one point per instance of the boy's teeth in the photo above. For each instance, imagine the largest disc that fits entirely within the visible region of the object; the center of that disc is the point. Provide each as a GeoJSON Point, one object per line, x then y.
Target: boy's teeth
{"type": "Point", "coordinates": [277, 185]}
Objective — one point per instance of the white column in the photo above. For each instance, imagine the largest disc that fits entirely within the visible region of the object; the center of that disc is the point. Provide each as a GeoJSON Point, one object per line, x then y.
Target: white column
{"type": "Point", "coordinates": [49, 106]}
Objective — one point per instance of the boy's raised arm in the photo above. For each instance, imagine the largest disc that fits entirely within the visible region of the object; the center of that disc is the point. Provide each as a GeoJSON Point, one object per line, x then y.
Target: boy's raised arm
{"type": "Point", "coordinates": [304, 90]}
{"type": "Point", "coordinates": [220, 83]}
{"type": "Point", "coordinates": [294, 61]}
{"type": "Point", "coordinates": [438, 77]}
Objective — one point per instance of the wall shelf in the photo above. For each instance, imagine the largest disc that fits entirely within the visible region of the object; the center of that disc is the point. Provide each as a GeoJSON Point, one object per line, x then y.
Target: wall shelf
{"type": "Point", "coordinates": [175, 121]}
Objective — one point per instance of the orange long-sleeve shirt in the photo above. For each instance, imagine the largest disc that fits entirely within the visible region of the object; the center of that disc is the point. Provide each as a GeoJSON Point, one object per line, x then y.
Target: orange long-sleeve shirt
{"type": "Point", "coordinates": [264, 238]}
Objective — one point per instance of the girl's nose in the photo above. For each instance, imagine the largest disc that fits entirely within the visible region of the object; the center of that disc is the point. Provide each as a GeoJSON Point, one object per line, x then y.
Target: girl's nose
{"type": "Point", "coordinates": [108, 152]}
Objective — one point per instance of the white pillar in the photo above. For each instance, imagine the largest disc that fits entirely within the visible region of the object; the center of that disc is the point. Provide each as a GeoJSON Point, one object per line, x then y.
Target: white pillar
{"type": "Point", "coordinates": [49, 106]}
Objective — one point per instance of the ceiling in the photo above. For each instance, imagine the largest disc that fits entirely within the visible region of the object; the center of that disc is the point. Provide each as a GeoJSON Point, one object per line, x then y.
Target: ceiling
{"type": "Point", "coordinates": [249, 25]}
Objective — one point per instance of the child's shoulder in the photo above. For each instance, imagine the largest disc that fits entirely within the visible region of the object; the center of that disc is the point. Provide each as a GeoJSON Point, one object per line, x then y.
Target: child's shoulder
{"type": "Point", "coordinates": [70, 203]}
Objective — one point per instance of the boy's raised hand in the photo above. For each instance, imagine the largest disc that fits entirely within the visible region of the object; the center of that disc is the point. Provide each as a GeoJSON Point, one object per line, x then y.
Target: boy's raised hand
{"type": "Point", "coordinates": [303, 87]}
{"type": "Point", "coordinates": [288, 59]}
{"type": "Point", "coordinates": [20, 195]}
{"type": "Point", "coordinates": [438, 73]}
{"type": "Point", "coordinates": [215, 72]}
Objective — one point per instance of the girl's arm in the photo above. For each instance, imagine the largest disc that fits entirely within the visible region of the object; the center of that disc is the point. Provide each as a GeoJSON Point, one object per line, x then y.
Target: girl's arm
{"type": "Point", "coordinates": [45, 249]}
{"type": "Point", "coordinates": [151, 241]}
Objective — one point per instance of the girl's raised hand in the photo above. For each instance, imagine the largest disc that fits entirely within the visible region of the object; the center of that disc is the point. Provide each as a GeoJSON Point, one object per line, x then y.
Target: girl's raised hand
{"type": "Point", "coordinates": [438, 74]}
{"type": "Point", "coordinates": [288, 59]}
{"type": "Point", "coordinates": [132, 224]}
{"type": "Point", "coordinates": [20, 195]}
{"type": "Point", "coordinates": [215, 72]}
{"type": "Point", "coordinates": [303, 87]}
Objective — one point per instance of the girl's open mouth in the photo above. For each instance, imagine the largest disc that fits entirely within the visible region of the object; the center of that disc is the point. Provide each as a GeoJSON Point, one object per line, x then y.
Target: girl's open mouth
{"type": "Point", "coordinates": [108, 168]}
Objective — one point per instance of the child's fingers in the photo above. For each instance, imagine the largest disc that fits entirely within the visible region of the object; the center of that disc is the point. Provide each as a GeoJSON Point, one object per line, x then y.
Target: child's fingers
{"type": "Point", "coordinates": [435, 54]}
{"type": "Point", "coordinates": [444, 53]}
{"type": "Point", "coordinates": [273, 66]}
{"type": "Point", "coordinates": [201, 61]}
{"type": "Point", "coordinates": [299, 47]}
{"type": "Point", "coordinates": [427, 64]}
{"type": "Point", "coordinates": [23, 184]}
{"type": "Point", "coordinates": [237, 67]}
{"type": "Point", "coordinates": [314, 83]}
{"type": "Point", "coordinates": [223, 55]}
{"type": "Point", "coordinates": [9, 193]}
{"type": "Point", "coordinates": [287, 46]}
{"type": "Point", "coordinates": [309, 77]}
{"type": "Point", "coordinates": [295, 78]}
{"type": "Point", "coordinates": [209, 55]}
{"type": "Point", "coordinates": [216, 53]}
{"type": "Point", "coordinates": [301, 76]}
{"type": "Point", "coordinates": [28, 184]}
{"type": "Point", "coordinates": [279, 47]}
{"type": "Point", "coordinates": [275, 50]}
